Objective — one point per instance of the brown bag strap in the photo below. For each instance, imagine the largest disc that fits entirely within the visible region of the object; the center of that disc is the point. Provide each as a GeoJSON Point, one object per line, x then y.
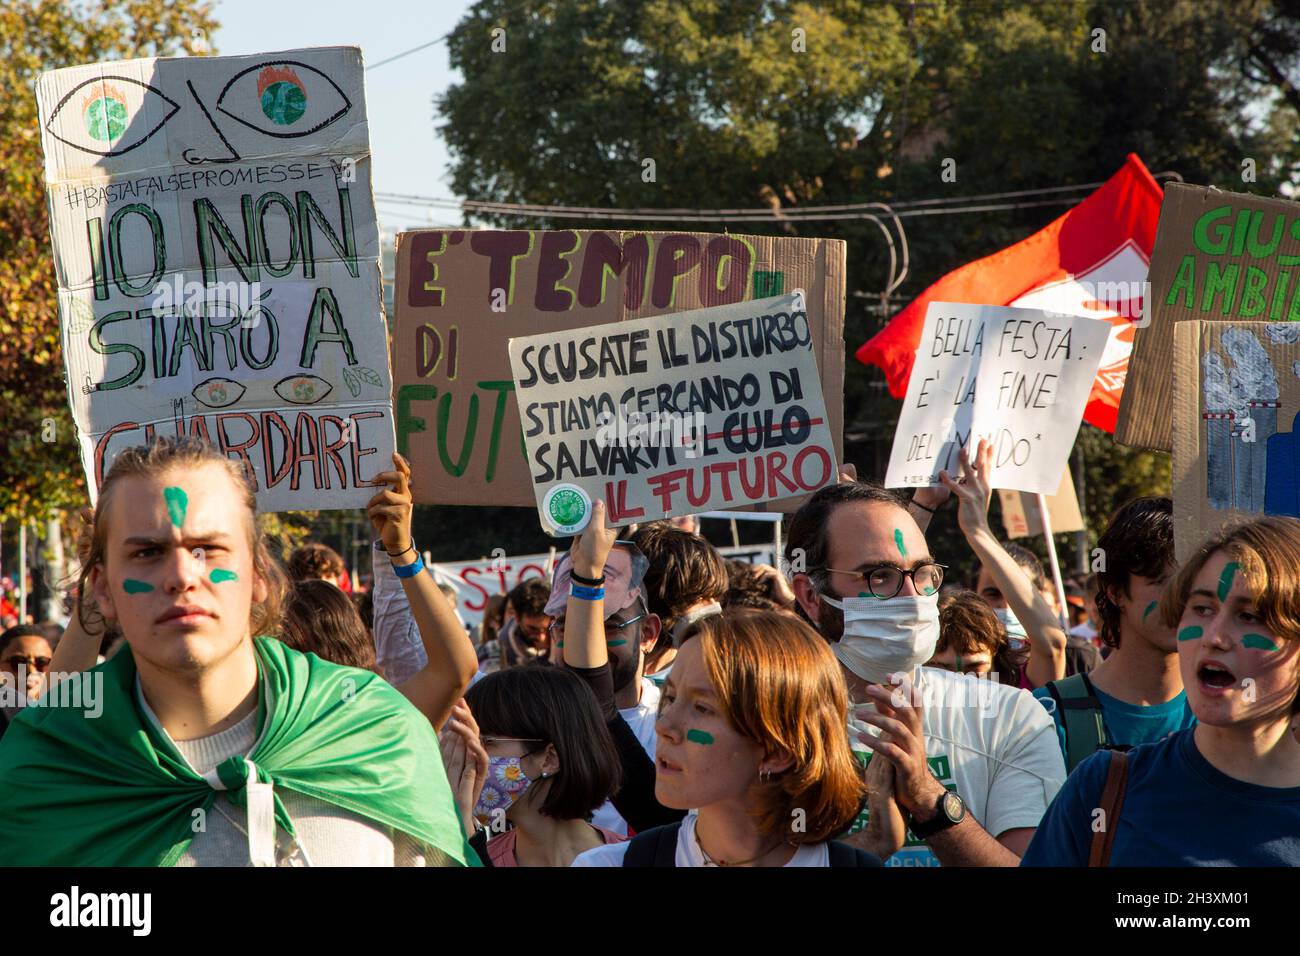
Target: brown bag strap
{"type": "Point", "coordinates": [1112, 802]}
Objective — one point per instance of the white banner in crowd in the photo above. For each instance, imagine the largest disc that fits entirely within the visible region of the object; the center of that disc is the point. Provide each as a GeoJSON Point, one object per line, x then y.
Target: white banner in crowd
{"type": "Point", "coordinates": [476, 581]}
{"type": "Point", "coordinates": [218, 265]}
{"type": "Point", "coordinates": [1034, 369]}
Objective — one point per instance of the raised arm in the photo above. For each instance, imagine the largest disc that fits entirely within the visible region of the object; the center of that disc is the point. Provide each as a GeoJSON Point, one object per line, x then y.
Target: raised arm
{"type": "Point", "coordinates": [77, 650]}
{"type": "Point", "coordinates": [584, 619]}
{"type": "Point", "coordinates": [1042, 627]}
{"type": "Point", "coordinates": [451, 661]}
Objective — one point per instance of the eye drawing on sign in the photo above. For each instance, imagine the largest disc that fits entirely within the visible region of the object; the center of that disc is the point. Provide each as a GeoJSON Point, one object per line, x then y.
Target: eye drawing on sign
{"type": "Point", "coordinates": [96, 115]}
{"type": "Point", "coordinates": [284, 98]}
{"type": "Point", "coordinates": [303, 389]}
{"type": "Point", "coordinates": [218, 392]}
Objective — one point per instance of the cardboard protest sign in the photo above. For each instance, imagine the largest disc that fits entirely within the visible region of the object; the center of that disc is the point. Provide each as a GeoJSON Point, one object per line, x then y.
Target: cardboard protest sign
{"type": "Point", "coordinates": [1035, 371]}
{"type": "Point", "coordinates": [460, 294]}
{"type": "Point", "coordinates": [1218, 257]}
{"type": "Point", "coordinates": [716, 408]}
{"type": "Point", "coordinates": [218, 265]}
{"type": "Point", "coordinates": [1235, 402]}
{"type": "Point", "coordinates": [1021, 515]}
{"type": "Point", "coordinates": [476, 581]}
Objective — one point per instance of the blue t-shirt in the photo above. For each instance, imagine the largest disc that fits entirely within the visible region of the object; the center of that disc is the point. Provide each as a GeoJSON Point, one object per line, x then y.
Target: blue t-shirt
{"type": "Point", "coordinates": [1128, 725]}
{"type": "Point", "coordinates": [1178, 810]}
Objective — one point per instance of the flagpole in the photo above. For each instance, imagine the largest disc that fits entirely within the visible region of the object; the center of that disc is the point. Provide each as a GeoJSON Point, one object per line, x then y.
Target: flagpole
{"type": "Point", "coordinates": [1051, 554]}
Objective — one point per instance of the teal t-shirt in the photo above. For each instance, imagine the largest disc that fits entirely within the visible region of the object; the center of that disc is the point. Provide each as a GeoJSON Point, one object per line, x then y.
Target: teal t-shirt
{"type": "Point", "coordinates": [1128, 724]}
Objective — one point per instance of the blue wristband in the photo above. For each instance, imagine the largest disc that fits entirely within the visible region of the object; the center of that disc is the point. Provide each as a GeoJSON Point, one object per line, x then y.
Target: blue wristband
{"type": "Point", "coordinates": [584, 593]}
{"type": "Point", "coordinates": [410, 570]}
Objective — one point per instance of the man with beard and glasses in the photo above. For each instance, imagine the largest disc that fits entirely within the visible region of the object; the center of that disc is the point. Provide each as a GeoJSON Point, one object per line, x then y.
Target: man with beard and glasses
{"type": "Point", "coordinates": [970, 765]}
{"type": "Point", "coordinates": [631, 632]}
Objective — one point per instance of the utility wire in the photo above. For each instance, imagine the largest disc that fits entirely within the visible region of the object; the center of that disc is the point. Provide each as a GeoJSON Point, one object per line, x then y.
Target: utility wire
{"type": "Point", "coordinates": [416, 49]}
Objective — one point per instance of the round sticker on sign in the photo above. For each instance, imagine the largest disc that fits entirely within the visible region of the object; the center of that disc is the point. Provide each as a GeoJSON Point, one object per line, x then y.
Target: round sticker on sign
{"type": "Point", "coordinates": [567, 508]}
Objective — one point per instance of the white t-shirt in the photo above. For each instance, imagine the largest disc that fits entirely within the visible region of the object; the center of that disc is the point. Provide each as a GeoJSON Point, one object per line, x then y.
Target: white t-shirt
{"type": "Point", "coordinates": [689, 852]}
{"type": "Point", "coordinates": [641, 719]}
{"type": "Point", "coordinates": [989, 743]}
{"type": "Point", "coordinates": [1084, 630]}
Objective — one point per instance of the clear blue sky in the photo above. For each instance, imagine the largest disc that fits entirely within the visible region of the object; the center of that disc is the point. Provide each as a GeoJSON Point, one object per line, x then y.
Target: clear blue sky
{"type": "Point", "coordinates": [409, 155]}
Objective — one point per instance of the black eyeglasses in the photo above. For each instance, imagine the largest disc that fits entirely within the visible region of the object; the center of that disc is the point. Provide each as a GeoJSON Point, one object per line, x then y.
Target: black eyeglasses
{"type": "Point", "coordinates": [884, 581]}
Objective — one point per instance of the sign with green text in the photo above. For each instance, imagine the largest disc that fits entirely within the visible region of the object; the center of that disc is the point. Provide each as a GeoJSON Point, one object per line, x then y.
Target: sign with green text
{"type": "Point", "coordinates": [217, 257]}
{"type": "Point", "coordinates": [1218, 257]}
{"type": "Point", "coordinates": [462, 294]}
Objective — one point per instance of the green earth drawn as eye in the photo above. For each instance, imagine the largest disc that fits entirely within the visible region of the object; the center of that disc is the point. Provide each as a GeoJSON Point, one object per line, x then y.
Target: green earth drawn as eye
{"type": "Point", "coordinates": [567, 507]}
{"type": "Point", "coordinates": [105, 119]}
{"type": "Point", "coordinates": [284, 103]}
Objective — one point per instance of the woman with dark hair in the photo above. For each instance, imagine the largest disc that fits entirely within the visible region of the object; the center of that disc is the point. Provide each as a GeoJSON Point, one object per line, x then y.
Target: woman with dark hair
{"type": "Point", "coordinates": [1227, 791]}
{"type": "Point", "coordinates": [322, 620]}
{"type": "Point", "coordinates": [550, 764]}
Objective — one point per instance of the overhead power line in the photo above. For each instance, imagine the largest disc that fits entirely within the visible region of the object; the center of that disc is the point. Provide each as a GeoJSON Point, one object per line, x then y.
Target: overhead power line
{"type": "Point", "coordinates": [414, 49]}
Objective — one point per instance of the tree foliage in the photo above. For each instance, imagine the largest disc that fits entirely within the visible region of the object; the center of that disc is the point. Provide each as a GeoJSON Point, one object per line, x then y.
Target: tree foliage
{"type": "Point", "coordinates": [40, 469]}
{"type": "Point", "coordinates": [1020, 94]}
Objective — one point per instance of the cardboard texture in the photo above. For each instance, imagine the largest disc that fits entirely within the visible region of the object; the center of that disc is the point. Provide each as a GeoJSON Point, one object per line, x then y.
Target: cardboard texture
{"type": "Point", "coordinates": [1017, 377]}
{"type": "Point", "coordinates": [674, 414]}
{"type": "Point", "coordinates": [1236, 397]}
{"type": "Point", "coordinates": [457, 417]}
{"type": "Point", "coordinates": [217, 256]}
{"type": "Point", "coordinates": [1022, 518]}
{"type": "Point", "coordinates": [1219, 256]}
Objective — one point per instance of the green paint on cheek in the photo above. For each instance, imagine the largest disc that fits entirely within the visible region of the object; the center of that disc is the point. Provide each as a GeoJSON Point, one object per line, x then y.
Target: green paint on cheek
{"type": "Point", "coordinates": [132, 586]}
{"type": "Point", "coordinates": [1225, 579]}
{"type": "Point", "coordinates": [177, 502]}
{"type": "Point", "coordinates": [619, 643]}
{"type": "Point", "coordinates": [699, 737]}
{"type": "Point", "coordinates": [217, 575]}
{"type": "Point", "coordinates": [1190, 633]}
{"type": "Point", "coordinates": [1259, 642]}
{"type": "Point", "coordinates": [1150, 607]}
{"type": "Point", "coordinates": [898, 542]}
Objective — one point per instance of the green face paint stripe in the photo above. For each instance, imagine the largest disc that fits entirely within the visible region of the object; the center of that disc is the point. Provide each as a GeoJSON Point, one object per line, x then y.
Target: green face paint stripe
{"type": "Point", "coordinates": [1190, 633]}
{"type": "Point", "coordinates": [1225, 579]}
{"type": "Point", "coordinates": [1150, 607]}
{"type": "Point", "coordinates": [898, 542]}
{"type": "Point", "coordinates": [1259, 642]}
{"type": "Point", "coordinates": [958, 656]}
{"type": "Point", "coordinates": [619, 643]}
{"type": "Point", "coordinates": [177, 502]}
{"type": "Point", "coordinates": [132, 586]}
{"type": "Point", "coordinates": [217, 575]}
{"type": "Point", "coordinates": [699, 736]}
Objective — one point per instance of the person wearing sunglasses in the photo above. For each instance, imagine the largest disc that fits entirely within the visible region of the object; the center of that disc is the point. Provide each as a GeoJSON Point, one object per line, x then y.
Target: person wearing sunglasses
{"type": "Point", "coordinates": [971, 764]}
{"type": "Point", "coordinates": [25, 655]}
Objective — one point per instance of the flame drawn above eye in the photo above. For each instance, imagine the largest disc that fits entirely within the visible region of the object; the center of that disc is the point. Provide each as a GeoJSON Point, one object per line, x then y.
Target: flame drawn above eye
{"type": "Point", "coordinates": [218, 392]}
{"type": "Point", "coordinates": [303, 389]}
{"type": "Point", "coordinates": [109, 115]}
{"type": "Point", "coordinates": [283, 98]}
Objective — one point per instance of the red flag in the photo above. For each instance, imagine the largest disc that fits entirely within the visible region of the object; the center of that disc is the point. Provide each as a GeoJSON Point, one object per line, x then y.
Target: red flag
{"type": "Point", "coordinates": [1091, 261]}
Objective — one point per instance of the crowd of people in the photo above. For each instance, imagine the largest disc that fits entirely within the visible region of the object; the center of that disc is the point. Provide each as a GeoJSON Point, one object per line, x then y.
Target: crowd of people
{"type": "Point", "coordinates": [652, 703]}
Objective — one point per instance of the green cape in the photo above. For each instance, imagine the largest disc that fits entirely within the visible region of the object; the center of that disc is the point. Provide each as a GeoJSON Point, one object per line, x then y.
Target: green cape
{"type": "Point", "coordinates": [113, 790]}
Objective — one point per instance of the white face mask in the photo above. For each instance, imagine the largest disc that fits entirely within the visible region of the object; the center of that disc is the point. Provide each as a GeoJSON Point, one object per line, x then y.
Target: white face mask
{"type": "Point", "coordinates": [886, 637]}
{"type": "Point", "coordinates": [1016, 636]}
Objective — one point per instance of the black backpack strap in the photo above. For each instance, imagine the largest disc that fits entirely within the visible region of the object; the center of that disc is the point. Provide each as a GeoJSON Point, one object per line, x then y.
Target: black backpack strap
{"type": "Point", "coordinates": [842, 854]}
{"type": "Point", "coordinates": [1081, 716]}
{"type": "Point", "coordinates": [654, 847]}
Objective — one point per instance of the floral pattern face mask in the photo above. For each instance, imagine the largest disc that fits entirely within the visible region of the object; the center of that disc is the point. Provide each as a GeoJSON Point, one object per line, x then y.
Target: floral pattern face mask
{"type": "Point", "coordinates": [506, 782]}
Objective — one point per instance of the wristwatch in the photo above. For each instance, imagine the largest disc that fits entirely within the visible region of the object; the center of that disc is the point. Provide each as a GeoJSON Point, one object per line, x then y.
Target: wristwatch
{"type": "Point", "coordinates": [948, 812]}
